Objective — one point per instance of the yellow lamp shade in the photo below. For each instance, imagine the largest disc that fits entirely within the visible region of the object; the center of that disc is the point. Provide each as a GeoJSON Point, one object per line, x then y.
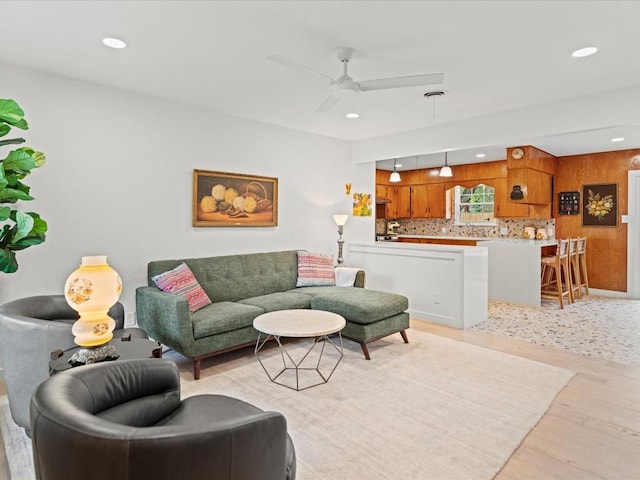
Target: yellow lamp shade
{"type": "Point", "coordinates": [92, 290]}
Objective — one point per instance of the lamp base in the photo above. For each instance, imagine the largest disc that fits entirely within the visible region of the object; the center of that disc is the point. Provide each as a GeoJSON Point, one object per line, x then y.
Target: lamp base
{"type": "Point", "coordinates": [85, 356]}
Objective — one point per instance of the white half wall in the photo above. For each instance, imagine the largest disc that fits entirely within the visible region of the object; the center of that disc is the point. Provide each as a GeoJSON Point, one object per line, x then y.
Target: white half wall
{"type": "Point", "coordinates": [445, 284]}
{"type": "Point", "coordinates": [118, 181]}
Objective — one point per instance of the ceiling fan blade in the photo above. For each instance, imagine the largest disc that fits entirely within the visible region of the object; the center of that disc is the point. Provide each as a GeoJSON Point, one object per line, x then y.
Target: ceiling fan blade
{"type": "Point", "coordinates": [292, 64]}
{"type": "Point", "coordinates": [327, 104]}
{"type": "Point", "coordinates": [400, 82]}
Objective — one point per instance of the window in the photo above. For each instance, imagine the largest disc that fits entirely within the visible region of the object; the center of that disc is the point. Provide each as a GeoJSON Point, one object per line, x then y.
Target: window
{"type": "Point", "coordinates": [474, 206]}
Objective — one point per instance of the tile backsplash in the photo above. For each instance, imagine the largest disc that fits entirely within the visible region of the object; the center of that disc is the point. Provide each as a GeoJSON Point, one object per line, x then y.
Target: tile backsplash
{"type": "Point", "coordinates": [442, 226]}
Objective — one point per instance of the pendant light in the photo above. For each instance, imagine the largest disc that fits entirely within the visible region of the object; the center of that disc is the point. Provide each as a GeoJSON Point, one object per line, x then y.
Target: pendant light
{"type": "Point", "coordinates": [395, 176]}
{"type": "Point", "coordinates": [446, 170]}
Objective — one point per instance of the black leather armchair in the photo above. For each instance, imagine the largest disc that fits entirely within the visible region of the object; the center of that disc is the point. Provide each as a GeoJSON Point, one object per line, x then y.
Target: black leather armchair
{"type": "Point", "coordinates": [30, 329]}
{"type": "Point", "coordinates": [125, 419]}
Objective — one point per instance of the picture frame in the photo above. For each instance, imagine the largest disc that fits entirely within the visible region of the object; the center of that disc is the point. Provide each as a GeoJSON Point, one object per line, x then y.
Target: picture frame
{"type": "Point", "coordinates": [600, 205]}
{"type": "Point", "coordinates": [222, 199]}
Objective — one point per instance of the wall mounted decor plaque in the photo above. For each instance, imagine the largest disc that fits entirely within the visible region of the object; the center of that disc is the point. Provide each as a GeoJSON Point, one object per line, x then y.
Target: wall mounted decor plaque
{"type": "Point", "coordinates": [569, 203]}
{"type": "Point", "coordinates": [600, 205]}
{"type": "Point", "coordinates": [234, 200]}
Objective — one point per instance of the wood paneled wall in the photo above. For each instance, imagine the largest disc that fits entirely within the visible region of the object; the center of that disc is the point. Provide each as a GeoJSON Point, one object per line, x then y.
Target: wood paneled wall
{"type": "Point", "coordinates": [606, 246]}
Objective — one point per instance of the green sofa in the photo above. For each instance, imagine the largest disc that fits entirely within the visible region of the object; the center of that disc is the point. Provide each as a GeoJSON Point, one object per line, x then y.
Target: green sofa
{"type": "Point", "coordinates": [241, 287]}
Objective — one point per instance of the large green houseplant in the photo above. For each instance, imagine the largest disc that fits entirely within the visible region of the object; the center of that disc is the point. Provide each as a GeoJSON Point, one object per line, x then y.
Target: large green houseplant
{"type": "Point", "coordinates": [20, 229]}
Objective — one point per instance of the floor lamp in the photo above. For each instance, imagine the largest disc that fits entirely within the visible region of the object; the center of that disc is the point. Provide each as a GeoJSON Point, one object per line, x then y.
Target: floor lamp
{"type": "Point", "coordinates": [340, 221]}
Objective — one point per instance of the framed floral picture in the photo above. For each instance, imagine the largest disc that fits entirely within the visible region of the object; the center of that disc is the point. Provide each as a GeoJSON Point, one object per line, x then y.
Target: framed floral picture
{"type": "Point", "coordinates": [234, 200]}
{"type": "Point", "coordinates": [600, 205]}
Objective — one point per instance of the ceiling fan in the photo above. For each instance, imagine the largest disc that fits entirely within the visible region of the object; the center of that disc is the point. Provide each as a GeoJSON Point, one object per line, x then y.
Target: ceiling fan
{"type": "Point", "coordinates": [345, 86]}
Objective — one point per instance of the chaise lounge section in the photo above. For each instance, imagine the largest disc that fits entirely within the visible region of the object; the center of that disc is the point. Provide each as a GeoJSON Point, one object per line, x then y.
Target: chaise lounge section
{"type": "Point", "coordinates": [240, 288]}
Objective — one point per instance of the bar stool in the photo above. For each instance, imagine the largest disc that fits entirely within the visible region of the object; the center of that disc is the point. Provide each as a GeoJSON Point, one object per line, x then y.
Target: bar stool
{"type": "Point", "coordinates": [574, 270]}
{"type": "Point", "coordinates": [582, 265]}
{"type": "Point", "coordinates": [554, 269]}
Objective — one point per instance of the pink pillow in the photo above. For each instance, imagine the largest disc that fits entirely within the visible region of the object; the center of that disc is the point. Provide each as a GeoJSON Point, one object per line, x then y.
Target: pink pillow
{"type": "Point", "coordinates": [315, 270]}
{"type": "Point", "coordinates": [180, 281]}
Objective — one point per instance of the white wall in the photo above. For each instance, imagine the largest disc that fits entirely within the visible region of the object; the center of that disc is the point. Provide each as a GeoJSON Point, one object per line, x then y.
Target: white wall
{"type": "Point", "coordinates": [118, 181]}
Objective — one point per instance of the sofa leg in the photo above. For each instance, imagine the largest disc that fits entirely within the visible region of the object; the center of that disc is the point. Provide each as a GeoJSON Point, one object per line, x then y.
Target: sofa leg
{"type": "Point", "coordinates": [404, 336]}
{"type": "Point", "coordinates": [365, 350]}
{"type": "Point", "coordinates": [196, 369]}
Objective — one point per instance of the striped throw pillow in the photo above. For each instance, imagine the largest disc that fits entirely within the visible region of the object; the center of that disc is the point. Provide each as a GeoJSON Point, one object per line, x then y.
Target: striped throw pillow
{"type": "Point", "coordinates": [315, 270]}
{"type": "Point", "coordinates": [180, 281]}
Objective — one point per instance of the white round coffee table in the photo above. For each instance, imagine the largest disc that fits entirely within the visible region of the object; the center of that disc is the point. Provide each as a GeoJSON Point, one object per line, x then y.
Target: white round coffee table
{"type": "Point", "coordinates": [302, 323]}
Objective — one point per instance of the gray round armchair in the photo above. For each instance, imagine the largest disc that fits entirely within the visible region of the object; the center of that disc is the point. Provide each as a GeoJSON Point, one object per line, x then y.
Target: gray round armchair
{"type": "Point", "coordinates": [125, 419]}
{"type": "Point", "coordinates": [30, 329]}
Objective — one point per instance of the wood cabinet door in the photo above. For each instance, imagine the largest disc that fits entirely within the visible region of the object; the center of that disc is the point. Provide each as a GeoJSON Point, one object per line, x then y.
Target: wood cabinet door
{"type": "Point", "coordinates": [403, 201]}
{"type": "Point", "coordinates": [428, 201]}
{"type": "Point", "coordinates": [503, 208]}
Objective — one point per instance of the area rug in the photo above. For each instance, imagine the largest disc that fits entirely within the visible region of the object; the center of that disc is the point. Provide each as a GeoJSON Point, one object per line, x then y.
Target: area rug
{"type": "Point", "coordinates": [434, 408]}
{"type": "Point", "coordinates": [594, 326]}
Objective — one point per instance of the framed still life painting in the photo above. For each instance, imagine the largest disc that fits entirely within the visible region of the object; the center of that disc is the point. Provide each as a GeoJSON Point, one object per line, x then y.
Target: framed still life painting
{"type": "Point", "coordinates": [234, 200]}
{"type": "Point", "coordinates": [600, 205]}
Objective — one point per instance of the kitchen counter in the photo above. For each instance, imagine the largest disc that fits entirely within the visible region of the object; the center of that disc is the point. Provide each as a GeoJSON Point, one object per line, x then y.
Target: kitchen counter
{"type": "Point", "coordinates": [513, 263]}
{"type": "Point", "coordinates": [522, 241]}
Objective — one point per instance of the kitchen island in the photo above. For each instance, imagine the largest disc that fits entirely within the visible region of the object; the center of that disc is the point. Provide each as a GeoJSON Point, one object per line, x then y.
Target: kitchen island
{"type": "Point", "coordinates": [449, 279]}
{"type": "Point", "coordinates": [446, 284]}
{"type": "Point", "coordinates": [513, 263]}
{"type": "Point", "coordinates": [514, 269]}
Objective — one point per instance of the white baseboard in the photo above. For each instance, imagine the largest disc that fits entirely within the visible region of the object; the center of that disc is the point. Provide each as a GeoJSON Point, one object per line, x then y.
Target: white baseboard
{"type": "Point", "coordinates": [608, 293]}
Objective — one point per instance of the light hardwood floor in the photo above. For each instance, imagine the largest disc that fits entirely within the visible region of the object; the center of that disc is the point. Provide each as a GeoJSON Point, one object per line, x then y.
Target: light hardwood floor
{"type": "Point", "coordinates": [592, 429]}
{"type": "Point", "coordinates": [590, 432]}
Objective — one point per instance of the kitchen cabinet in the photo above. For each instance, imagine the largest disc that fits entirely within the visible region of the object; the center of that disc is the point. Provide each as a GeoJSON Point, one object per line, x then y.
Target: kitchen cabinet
{"type": "Point", "coordinates": [503, 207]}
{"type": "Point", "coordinates": [400, 206]}
{"type": "Point", "coordinates": [439, 241]}
{"type": "Point", "coordinates": [397, 201]}
{"type": "Point", "coordinates": [534, 184]}
{"type": "Point", "coordinates": [381, 193]}
{"type": "Point", "coordinates": [428, 201]}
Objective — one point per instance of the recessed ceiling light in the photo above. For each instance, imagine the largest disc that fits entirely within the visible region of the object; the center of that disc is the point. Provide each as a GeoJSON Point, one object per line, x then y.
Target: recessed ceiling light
{"type": "Point", "coordinates": [584, 52]}
{"type": "Point", "coordinates": [480, 155]}
{"type": "Point", "coordinates": [398, 165]}
{"type": "Point", "coordinates": [352, 115]}
{"type": "Point", "coordinates": [617, 139]}
{"type": "Point", "coordinates": [114, 42]}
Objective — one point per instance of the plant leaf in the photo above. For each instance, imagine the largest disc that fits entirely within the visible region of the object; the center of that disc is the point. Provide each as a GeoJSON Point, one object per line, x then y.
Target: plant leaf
{"type": "Point", "coordinates": [11, 195]}
{"type": "Point", "coordinates": [11, 113]}
{"type": "Point", "coordinates": [19, 161]}
{"type": "Point", "coordinates": [24, 224]}
{"type": "Point", "coordinates": [39, 159]}
{"type": "Point", "coordinates": [26, 242]}
{"type": "Point", "coordinates": [5, 212]}
{"type": "Point", "coordinates": [40, 225]}
{"type": "Point", "coordinates": [3, 178]}
{"type": "Point", "coordinates": [8, 262]}
{"type": "Point", "coordinates": [4, 129]}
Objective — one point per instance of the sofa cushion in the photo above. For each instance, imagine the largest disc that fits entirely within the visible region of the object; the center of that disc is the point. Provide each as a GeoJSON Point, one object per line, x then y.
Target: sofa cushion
{"type": "Point", "coordinates": [315, 269]}
{"type": "Point", "coordinates": [279, 301]}
{"type": "Point", "coordinates": [313, 291]}
{"type": "Point", "coordinates": [222, 317]}
{"type": "Point", "coordinates": [230, 278]}
{"type": "Point", "coordinates": [180, 281]}
{"type": "Point", "coordinates": [360, 305]}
